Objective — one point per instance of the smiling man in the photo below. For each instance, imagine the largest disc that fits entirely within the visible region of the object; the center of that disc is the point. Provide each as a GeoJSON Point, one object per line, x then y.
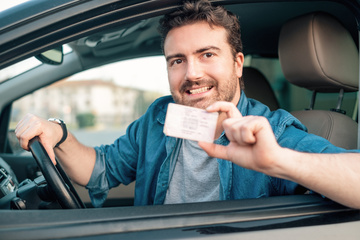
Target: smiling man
{"type": "Point", "coordinates": [203, 50]}
{"type": "Point", "coordinates": [202, 68]}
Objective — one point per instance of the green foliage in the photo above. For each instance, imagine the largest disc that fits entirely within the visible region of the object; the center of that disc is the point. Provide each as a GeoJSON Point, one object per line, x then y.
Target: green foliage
{"type": "Point", "coordinates": [85, 120]}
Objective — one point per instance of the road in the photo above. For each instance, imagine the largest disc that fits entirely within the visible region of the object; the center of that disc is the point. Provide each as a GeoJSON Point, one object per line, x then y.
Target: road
{"type": "Point", "coordinates": [96, 138]}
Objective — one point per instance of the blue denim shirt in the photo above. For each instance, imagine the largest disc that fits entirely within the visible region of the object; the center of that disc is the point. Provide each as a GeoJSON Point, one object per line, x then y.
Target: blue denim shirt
{"type": "Point", "coordinates": [146, 155]}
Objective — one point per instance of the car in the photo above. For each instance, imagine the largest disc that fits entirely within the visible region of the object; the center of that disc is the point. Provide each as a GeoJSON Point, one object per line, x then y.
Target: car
{"type": "Point", "coordinates": [98, 65]}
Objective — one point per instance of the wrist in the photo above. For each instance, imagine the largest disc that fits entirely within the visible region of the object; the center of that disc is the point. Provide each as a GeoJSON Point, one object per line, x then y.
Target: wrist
{"type": "Point", "coordinates": [287, 164]}
{"type": "Point", "coordinates": [63, 127]}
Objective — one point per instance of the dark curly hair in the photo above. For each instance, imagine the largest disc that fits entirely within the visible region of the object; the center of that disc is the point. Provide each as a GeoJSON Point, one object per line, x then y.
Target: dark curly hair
{"type": "Point", "coordinates": [202, 10]}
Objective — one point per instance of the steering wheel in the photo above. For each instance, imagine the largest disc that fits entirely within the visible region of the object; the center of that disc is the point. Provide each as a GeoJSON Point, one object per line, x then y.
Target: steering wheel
{"type": "Point", "coordinates": [55, 177]}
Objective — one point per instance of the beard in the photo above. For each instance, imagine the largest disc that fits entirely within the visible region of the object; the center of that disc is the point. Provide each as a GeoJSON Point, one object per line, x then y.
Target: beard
{"type": "Point", "coordinates": [225, 91]}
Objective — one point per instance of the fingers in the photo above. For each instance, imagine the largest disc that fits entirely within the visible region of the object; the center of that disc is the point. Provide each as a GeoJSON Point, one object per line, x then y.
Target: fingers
{"type": "Point", "coordinates": [31, 126]}
{"type": "Point", "coordinates": [243, 130]}
{"type": "Point", "coordinates": [50, 150]}
{"type": "Point", "coordinates": [252, 142]}
{"type": "Point", "coordinates": [227, 107]}
{"type": "Point", "coordinates": [26, 129]}
{"type": "Point", "coordinates": [214, 150]}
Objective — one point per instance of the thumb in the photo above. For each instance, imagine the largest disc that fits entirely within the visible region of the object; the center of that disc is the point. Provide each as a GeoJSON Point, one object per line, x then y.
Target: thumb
{"type": "Point", "coordinates": [214, 150]}
{"type": "Point", "coordinates": [50, 151]}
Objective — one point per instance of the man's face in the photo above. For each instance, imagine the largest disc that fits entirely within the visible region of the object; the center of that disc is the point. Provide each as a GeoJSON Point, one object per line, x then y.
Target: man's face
{"type": "Point", "coordinates": [201, 66]}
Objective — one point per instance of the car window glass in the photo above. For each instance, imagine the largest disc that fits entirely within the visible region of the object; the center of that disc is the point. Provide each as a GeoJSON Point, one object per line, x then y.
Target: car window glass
{"type": "Point", "coordinates": [18, 68]}
{"type": "Point", "coordinates": [24, 66]}
{"type": "Point", "coordinates": [9, 4]}
{"type": "Point", "coordinates": [97, 105]}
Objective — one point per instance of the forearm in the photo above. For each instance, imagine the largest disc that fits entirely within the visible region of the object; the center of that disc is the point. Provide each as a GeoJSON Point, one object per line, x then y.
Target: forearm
{"type": "Point", "coordinates": [336, 176]}
{"type": "Point", "coordinates": [253, 146]}
{"type": "Point", "coordinates": [77, 159]}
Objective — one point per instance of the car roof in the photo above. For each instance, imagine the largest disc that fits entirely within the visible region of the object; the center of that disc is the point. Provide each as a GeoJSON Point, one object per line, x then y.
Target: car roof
{"type": "Point", "coordinates": [42, 25]}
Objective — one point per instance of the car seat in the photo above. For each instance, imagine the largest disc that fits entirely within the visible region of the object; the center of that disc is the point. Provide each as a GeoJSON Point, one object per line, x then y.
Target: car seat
{"type": "Point", "coordinates": [317, 52]}
{"type": "Point", "coordinates": [258, 87]}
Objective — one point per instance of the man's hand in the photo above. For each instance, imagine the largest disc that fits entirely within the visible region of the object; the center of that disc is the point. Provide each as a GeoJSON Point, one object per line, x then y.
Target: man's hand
{"type": "Point", "coordinates": [252, 141]}
{"type": "Point", "coordinates": [31, 126]}
{"type": "Point", "coordinates": [253, 146]}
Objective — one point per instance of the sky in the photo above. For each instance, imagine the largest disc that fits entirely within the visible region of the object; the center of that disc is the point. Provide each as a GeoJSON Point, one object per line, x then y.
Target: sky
{"type": "Point", "coordinates": [147, 73]}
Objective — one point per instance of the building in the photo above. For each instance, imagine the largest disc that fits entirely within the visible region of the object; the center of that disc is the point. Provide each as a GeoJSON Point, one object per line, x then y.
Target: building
{"type": "Point", "coordinates": [110, 105]}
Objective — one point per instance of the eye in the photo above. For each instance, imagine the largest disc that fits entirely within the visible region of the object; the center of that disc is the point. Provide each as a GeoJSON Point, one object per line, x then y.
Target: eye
{"type": "Point", "coordinates": [176, 62]}
{"type": "Point", "coordinates": [208, 55]}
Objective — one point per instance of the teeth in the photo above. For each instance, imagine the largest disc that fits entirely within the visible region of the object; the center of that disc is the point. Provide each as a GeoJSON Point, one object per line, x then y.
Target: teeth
{"type": "Point", "coordinates": [199, 90]}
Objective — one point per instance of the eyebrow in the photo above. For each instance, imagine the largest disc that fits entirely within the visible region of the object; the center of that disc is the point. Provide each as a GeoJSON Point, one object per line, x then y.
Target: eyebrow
{"type": "Point", "coordinates": [204, 49]}
{"type": "Point", "coordinates": [178, 55]}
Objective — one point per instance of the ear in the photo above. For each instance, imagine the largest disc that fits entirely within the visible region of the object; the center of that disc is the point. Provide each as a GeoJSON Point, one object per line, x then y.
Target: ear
{"type": "Point", "coordinates": [239, 63]}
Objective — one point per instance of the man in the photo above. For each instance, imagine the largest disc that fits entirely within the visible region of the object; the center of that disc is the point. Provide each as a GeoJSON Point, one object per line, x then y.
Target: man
{"type": "Point", "coordinates": [202, 48]}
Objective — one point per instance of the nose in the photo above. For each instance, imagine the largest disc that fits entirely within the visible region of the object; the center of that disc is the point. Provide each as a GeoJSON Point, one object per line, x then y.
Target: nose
{"type": "Point", "coordinates": [194, 70]}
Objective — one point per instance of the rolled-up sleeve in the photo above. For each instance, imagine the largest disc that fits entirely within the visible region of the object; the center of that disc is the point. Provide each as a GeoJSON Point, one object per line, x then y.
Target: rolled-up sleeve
{"type": "Point", "coordinates": [115, 164]}
{"type": "Point", "coordinates": [98, 185]}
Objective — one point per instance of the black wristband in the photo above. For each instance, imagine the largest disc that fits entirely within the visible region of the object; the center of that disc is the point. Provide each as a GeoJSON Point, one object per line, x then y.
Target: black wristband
{"type": "Point", "coordinates": [63, 127]}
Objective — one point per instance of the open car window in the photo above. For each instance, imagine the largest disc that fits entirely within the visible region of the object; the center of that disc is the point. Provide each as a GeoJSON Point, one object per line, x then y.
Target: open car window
{"type": "Point", "coordinates": [98, 104]}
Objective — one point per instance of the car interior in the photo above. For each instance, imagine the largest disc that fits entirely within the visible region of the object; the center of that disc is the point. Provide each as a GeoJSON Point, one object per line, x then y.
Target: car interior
{"type": "Point", "coordinates": [282, 38]}
{"type": "Point", "coordinates": [304, 50]}
{"type": "Point", "coordinates": [301, 56]}
{"type": "Point", "coordinates": [321, 56]}
{"type": "Point", "coordinates": [253, 78]}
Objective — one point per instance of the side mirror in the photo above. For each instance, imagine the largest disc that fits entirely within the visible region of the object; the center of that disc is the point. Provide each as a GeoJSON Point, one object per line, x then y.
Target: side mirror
{"type": "Point", "coordinates": [53, 56]}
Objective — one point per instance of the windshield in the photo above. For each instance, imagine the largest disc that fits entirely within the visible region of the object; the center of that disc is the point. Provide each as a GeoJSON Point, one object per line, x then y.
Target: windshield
{"type": "Point", "coordinates": [18, 68]}
{"type": "Point", "coordinates": [9, 4]}
{"type": "Point", "coordinates": [23, 66]}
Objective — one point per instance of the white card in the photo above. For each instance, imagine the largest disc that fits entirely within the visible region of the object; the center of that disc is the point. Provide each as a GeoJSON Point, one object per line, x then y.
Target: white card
{"type": "Point", "coordinates": [190, 123]}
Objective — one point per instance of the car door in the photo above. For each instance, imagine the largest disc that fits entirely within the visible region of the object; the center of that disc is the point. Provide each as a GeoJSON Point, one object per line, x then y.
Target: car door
{"type": "Point", "coordinates": [97, 106]}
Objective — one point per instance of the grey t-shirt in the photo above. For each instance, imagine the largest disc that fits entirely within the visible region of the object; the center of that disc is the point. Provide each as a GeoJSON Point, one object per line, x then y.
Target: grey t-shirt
{"type": "Point", "coordinates": [195, 177]}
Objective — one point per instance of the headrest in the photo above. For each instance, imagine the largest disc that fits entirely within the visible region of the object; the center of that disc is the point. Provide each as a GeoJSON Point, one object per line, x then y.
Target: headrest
{"type": "Point", "coordinates": [258, 87]}
{"type": "Point", "coordinates": [316, 52]}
